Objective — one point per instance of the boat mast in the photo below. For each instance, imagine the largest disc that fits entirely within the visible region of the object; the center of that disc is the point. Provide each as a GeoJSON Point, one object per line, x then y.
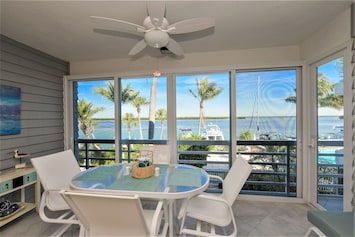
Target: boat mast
{"type": "Point", "coordinates": [257, 108]}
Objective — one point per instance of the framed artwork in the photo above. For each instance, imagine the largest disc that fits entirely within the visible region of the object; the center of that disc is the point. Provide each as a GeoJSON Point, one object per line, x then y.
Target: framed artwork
{"type": "Point", "coordinates": [10, 110]}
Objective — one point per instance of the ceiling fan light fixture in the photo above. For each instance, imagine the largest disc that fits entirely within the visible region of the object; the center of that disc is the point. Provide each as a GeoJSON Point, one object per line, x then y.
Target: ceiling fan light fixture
{"type": "Point", "coordinates": [156, 38]}
{"type": "Point", "coordinates": [157, 73]}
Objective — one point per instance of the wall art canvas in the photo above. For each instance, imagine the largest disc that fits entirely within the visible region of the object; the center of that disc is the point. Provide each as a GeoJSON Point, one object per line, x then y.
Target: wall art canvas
{"type": "Point", "coordinates": [10, 110]}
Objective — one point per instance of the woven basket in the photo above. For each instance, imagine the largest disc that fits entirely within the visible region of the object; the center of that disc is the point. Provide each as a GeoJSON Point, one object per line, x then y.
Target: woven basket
{"type": "Point", "coordinates": [142, 172]}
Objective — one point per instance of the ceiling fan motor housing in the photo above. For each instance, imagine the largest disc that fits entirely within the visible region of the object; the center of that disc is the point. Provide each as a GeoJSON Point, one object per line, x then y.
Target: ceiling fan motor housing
{"type": "Point", "coordinates": [156, 38]}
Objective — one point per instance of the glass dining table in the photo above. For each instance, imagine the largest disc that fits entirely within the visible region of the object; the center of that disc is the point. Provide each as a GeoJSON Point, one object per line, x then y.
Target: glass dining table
{"type": "Point", "coordinates": [173, 181]}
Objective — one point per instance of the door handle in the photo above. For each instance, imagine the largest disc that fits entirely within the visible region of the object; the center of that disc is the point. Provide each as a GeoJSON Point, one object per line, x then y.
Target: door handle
{"type": "Point", "coordinates": [312, 145]}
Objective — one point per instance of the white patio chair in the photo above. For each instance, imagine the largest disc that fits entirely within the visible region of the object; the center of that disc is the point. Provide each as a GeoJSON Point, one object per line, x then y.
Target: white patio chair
{"type": "Point", "coordinates": [216, 210]}
{"type": "Point", "coordinates": [159, 153]}
{"type": "Point", "coordinates": [146, 151]}
{"type": "Point", "coordinates": [113, 215]}
{"type": "Point", "coordinates": [55, 172]}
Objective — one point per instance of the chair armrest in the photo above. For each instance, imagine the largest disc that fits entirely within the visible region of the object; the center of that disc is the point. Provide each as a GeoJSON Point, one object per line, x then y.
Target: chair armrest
{"type": "Point", "coordinates": [186, 201]}
{"type": "Point", "coordinates": [157, 217]}
{"type": "Point", "coordinates": [53, 190]}
{"type": "Point", "coordinates": [213, 198]}
{"type": "Point", "coordinates": [215, 177]}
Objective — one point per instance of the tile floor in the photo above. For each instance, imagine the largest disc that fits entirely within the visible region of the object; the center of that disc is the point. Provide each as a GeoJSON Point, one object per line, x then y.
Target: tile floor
{"type": "Point", "coordinates": [253, 219]}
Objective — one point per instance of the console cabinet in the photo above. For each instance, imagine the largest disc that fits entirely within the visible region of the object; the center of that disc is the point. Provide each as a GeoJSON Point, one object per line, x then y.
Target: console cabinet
{"type": "Point", "coordinates": [17, 180]}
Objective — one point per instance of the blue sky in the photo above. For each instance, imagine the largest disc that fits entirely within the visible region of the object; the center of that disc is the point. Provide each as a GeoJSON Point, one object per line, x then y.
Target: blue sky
{"type": "Point", "coordinates": [275, 86]}
{"type": "Point", "coordinates": [331, 71]}
{"type": "Point", "coordinates": [187, 105]}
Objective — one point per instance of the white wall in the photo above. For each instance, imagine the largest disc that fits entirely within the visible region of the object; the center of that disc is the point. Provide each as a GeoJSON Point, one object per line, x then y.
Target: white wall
{"type": "Point", "coordinates": [335, 33]}
{"type": "Point", "coordinates": [276, 56]}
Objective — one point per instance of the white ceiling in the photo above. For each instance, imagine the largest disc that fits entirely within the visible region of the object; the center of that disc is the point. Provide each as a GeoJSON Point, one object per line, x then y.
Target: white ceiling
{"type": "Point", "coordinates": [63, 28]}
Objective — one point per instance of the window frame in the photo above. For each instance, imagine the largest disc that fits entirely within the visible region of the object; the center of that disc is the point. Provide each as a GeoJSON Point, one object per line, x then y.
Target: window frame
{"type": "Point", "coordinates": [171, 113]}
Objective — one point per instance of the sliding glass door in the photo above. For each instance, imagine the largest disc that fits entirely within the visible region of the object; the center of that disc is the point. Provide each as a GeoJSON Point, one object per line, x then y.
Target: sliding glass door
{"type": "Point", "coordinates": [327, 134]}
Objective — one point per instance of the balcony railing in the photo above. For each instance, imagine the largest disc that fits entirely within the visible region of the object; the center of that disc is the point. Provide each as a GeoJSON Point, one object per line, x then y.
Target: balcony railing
{"type": "Point", "coordinates": [274, 162]}
{"type": "Point", "coordinates": [330, 176]}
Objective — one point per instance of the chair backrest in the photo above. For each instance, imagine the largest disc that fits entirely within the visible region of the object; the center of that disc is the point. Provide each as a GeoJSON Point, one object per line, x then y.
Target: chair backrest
{"type": "Point", "coordinates": [161, 154]}
{"type": "Point", "coordinates": [235, 179]}
{"type": "Point", "coordinates": [108, 215]}
{"type": "Point", "coordinates": [55, 172]}
{"type": "Point", "coordinates": [146, 151]}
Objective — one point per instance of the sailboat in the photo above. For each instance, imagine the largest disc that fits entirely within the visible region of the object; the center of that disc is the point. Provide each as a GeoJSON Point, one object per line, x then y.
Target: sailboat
{"type": "Point", "coordinates": [256, 134]}
{"type": "Point", "coordinates": [255, 121]}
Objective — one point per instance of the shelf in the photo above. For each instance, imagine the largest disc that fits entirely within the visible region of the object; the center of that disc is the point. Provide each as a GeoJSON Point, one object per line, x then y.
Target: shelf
{"type": "Point", "coordinates": [17, 180]}
{"type": "Point", "coordinates": [28, 207]}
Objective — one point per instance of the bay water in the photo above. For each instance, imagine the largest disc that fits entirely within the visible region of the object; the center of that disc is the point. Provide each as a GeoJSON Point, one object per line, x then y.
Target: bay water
{"type": "Point", "coordinates": [278, 127]}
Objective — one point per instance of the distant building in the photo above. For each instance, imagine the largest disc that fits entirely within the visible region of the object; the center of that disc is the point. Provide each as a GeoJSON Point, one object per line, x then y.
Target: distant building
{"type": "Point", "coordinates": [339, 88]}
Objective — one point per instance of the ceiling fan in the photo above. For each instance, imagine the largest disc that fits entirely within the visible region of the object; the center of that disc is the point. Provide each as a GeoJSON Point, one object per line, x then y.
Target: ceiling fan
{"type": "Point", "coordinates": [156, 29]}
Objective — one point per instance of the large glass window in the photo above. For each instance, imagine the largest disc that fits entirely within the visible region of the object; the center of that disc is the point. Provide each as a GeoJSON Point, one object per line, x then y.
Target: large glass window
{"type": "Point", "coordinates": [94, 121]}
{"type": "Point", "coordinates": [144, 108]}
{"type": "Point", "coordinates": [203, 120]}
{"type": "Point", "coordinates": [266, 129]}
{"type": "Point", "coordinates": [114, 126]}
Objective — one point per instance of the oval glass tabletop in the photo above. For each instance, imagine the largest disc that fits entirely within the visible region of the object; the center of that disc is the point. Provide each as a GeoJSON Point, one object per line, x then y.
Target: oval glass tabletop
{"type": "Point", "coordinates": [173, 181]}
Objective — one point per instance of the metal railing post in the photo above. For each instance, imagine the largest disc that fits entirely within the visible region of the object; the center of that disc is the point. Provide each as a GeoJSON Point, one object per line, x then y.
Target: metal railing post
{"type": "Point", "coordinates": [288, 175]}
{"type": "Point", "coordinates": [87, 165]}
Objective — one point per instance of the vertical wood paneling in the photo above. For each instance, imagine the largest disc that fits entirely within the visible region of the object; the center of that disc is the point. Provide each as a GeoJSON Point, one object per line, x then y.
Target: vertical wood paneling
{"type": "Point", "coordinates": [353, 118]}
{"type": "Point", "coordinates": [40, 77]}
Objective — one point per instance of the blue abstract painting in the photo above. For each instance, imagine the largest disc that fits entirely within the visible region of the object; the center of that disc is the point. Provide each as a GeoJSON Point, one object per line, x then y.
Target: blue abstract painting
{"type": "Point", "coordinates": [10, 110]}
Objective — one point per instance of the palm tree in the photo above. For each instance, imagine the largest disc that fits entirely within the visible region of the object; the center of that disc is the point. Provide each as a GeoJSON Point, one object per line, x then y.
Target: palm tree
{"type": "Point", "coordinates": [325, 97]}
{"type": "Point", "coordinates": [85, 113]}
{"type": "Point", "coordinates": [292, 99]}
{"type": "Point", "coordinates": [205, 91]}
{"type": "Point", "coordinates": [108, 92]}
{"type": "Point", "coordinates": [246, 135]}
{"type": "Point", "coordinates": [162, 116]}
{"type": "Point", "coordinates": [131, 121]}
{"type": "Point", "coordinates": [128, 94]}
{"type": "Point", "coordinates": [138, 102]}
{"type": "Point", "coordinates": [153, 92]}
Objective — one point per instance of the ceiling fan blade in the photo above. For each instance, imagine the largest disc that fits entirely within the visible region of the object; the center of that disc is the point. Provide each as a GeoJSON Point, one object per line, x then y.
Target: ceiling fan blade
{"type": "Point", "coordinates": [138, 48]}
{"type": "Point", "coordinates": [175, 48]}
{"type": "Point", "coordinates": [191, 25]}
{"type": "Point", "coordinates": [117, 25]}
{"type": "Point", "coordinates": [156, 12]}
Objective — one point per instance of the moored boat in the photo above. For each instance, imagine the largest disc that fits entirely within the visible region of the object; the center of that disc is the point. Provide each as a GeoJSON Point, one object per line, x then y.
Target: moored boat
{"type": "Point", "coordinates": [213, 132]}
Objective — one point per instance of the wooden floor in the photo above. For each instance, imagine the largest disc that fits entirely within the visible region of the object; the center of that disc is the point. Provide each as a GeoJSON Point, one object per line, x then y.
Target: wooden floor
{"type": "Point", "coordinates": [253, 219]}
